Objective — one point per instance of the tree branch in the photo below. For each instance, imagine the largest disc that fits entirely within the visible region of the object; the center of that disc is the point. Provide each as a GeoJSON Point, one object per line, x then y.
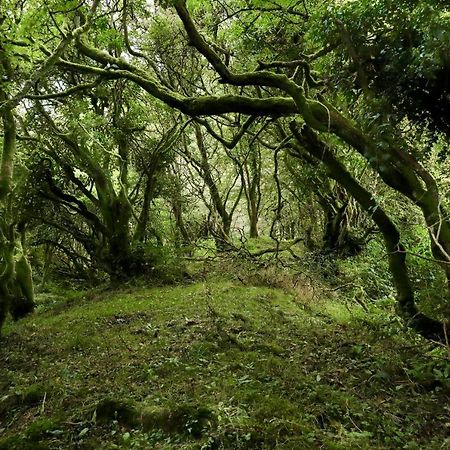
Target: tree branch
{"type": "Point", "coordinates": [48, 64]}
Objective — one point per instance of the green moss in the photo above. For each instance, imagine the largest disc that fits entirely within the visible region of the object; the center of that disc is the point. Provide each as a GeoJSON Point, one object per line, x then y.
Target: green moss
{"type": "Point", "coordinates": [158, 365]}
{"type": "Point", "coordinates": [26, 398]}
{"type": "Point", "coordinates": [124, 412]}
{"type": "Point", "coordinates": [187, 418]}
{"type": "Point", "coordinates": [34, 394]}
{"type": "Point", "coordinates": [184, 418]}
{"type": "Point", "coordinates": [41, 428]}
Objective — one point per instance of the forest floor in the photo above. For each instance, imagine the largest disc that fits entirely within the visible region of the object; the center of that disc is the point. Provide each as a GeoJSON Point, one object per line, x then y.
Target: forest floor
{"type": "Point", "coordinates": [218, 364]}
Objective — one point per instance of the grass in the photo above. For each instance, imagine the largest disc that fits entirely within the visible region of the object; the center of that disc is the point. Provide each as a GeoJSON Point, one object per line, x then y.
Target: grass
{"type": "Point", "coordinates": [218, 364]}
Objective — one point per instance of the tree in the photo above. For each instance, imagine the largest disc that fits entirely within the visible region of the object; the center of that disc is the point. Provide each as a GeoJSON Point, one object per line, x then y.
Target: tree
{"type": "Point", "coordinates": [219, 199]}
{"type": "Point", "coordinates": [224, 83]}
{"type": "Point", "coordinates": [398, 168]}
{"type": "Point", "coordinates": [16, 81]}
{"type": "Point", "coordinates": [395, 51]}
{"type": "Point", "coordinates": [103, 199]}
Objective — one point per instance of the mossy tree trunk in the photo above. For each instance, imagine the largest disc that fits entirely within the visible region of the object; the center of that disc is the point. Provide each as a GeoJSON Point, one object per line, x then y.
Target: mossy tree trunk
{"type": "Point", "coordinates": [107, 214]}
{"type": "Point", "coordinates": [335, 228]}
{"type": "Point", "coordinates": [16, 283]}
{"type": "Point", "coordinates": [334, 201]}
{"type": "Point", "coordinates": [107, 211]}
{"type": "Point", "coordinates": [219, 204]}
{"type": "Point", "coordinates": [251, 180]}
{"type": "Point", "coordinates": [111, 231]}
{"type": "Point", "coordinates": [140, 231]}
{"type": "Point", "coordinates": [406, 305]}
{"type": "Point", "coordinates": [182, 235]}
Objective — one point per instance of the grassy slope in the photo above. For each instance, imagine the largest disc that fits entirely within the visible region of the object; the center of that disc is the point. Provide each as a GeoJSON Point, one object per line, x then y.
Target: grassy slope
{"type": "Point", "coordinates": [248, 367]}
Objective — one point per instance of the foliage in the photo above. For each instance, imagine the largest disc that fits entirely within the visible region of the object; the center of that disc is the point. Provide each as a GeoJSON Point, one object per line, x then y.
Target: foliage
{"type": "Point", "coordinates": [231, 209]}
{"type": "Point", "coordinates": [401, 49]}
{"type": "Point", "coordinates": [223, 344]}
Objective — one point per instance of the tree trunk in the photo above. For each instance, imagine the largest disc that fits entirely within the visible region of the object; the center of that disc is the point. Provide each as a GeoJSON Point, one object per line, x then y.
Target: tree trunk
{"type": "Point", "coordinates": [253, 217]}
{"type": "Point", "coordinates": [119, 258]}
{"type": "Point", "coordinates": [335, 228]}
{"type": "Point", "coordinates": [224, 225]}
{"type": "Point", "coordinates": [144, 217]}
{"type": "Point", "coordinates": [16, 282]}
{"type": "Point", "coordinates": [182, 235]}
{"type": "Point", "coordinates": [251, 180]}
{"type": "Point", "coordinates": [427, 327]}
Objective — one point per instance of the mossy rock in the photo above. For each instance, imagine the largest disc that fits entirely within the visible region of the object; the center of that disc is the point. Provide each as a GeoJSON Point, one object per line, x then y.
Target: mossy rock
{"type": "Point", "coordinates": [34, 394]}
{"type": "Point", "coordinates": [29, 397]}
{"type": "Point", "coordinates": [124, 412]}
{"type": "Point", "coordinates": [184, 419]}
{"type": "Point", "coordinates": [40, 429]}
{"type": "Point", "coordinates": [19, 443]}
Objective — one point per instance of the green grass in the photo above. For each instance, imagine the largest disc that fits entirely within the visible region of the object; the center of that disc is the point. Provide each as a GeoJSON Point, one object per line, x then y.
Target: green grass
{"type": "Point", "coordinates": [218, 365]}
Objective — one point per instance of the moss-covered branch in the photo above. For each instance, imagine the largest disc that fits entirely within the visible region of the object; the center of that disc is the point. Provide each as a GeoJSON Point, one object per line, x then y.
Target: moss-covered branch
{"type": "Point", "coordinates": [407, 308]}
{"type": "Point", "coordinates": [48, 64]}
{"type": "Point", "coordinates": [192, 106]}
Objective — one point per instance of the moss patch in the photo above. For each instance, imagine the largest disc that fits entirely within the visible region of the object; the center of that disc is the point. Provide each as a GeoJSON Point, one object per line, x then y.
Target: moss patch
{"type": "Point", "coordinates": [219, 364]}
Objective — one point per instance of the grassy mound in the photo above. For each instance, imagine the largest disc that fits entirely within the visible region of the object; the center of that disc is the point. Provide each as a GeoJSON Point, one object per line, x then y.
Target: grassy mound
{"type": "Point", "coordinates": [219, 365]}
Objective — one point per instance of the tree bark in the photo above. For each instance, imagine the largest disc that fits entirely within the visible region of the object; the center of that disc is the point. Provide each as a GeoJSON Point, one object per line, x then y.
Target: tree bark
{"type": "Point", "coordinates": [16, 283]}
{"type": "Point", "coordinates": [406, 306]}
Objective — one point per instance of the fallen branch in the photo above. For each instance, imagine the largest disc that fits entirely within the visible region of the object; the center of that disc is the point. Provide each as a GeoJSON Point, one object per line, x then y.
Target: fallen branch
{"type": "Point", "coordinates": [276, 249]}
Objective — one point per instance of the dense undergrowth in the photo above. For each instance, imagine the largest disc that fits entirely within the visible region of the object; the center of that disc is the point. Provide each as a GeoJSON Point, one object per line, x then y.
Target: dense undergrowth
{"type": "Point", "coordinates": [239, 361]}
